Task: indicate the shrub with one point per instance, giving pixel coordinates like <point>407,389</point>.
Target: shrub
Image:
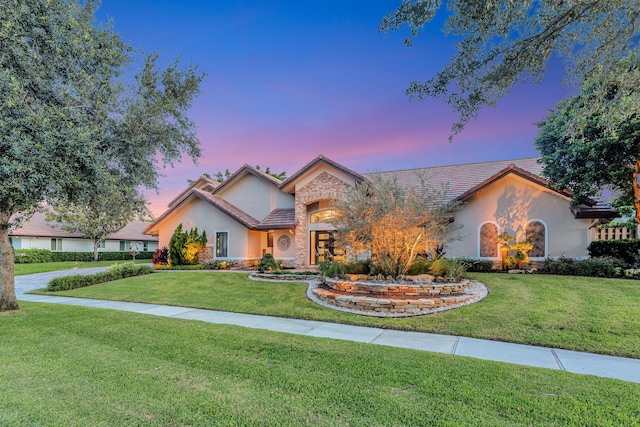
<point>332,268</point>
<point>29,256</point>
<point>184,246</point>
<point>476,265</point>
<point>440,267</point>
<point>421,265</point>
<point>592,267</point>
<point>626,250</point>
<point>115,272</point>
<point>268,263</point>
<point>220,265</point>
<point>160,256</point>
<point>102,256</point>
<point>180,267</point>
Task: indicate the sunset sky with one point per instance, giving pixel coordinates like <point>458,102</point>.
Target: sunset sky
<point>289,80</point>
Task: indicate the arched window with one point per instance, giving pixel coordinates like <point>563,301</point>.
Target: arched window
<point>489,240</point>
<point>536,232</point>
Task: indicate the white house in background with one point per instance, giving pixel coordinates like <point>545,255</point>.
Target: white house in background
<point>38,233</point>
<point>252,213</point>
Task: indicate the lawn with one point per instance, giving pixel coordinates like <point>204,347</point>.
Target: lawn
<point>577,313</point>
<point>76,366</point>
<point>43,267</point>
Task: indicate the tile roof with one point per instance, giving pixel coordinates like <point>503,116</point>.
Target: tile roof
<point>38,226</point>
<point>248,169</point>
<point>203,183</point>
<point>458,179</point>
<point>279,219</point>
<point>320,159</point>
<point>229,209</point>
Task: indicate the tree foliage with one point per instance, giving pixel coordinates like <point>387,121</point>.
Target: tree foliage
<point>393,222</point>
<point>184,246</point>
<point>504,42</point>
<point>108,210</point>
<point>69,119</point>
<point>587,161</point>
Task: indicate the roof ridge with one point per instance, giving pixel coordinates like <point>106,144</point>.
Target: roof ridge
<point>454,165</point>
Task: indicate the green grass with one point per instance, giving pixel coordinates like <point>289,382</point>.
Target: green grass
<point>77,366</point>
<point>44,267</point>
<point>577,313</point>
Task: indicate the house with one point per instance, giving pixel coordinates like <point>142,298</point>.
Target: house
<point>252,213</point>
<point>38,233</point>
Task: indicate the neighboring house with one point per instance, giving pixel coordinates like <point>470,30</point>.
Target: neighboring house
<point>38,233</point>
<point>252,213</point>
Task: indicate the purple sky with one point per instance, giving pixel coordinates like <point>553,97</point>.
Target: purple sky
<point>290,80</point>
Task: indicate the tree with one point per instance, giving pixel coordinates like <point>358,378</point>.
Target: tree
<point>108,210</point>
<point>586,162</point>
<point>393,222</point>
<point>185,245</point>
<point>69,119</point>
<point>501,43</point>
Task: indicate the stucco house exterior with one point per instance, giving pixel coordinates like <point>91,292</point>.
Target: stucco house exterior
<point>252,213</point>
<point>38,233</point>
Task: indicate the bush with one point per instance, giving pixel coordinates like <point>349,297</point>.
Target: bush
<point>332,268</point>
<point>591,267</point>
<point>160,256</point>
<point>29,256</point>
<point>440,267</point>
<point>102,256</point>
<point>115,272</point>
<point>180,267</point>
<point>626,250</point>
<point>421,265</point>
<point>476,265</point>
<point>268,263</point>
<point>220,265</point>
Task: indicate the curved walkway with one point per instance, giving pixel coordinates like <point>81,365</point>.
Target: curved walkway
<point>572,361</point>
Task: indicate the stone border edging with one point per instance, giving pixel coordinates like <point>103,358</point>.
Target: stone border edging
<point>477,289</point>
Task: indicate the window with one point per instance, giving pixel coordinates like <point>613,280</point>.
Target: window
<point>222,244</point>
<point>537,235</point>
<point>489,240</point>
<point>145,246</point>
<point>56,244</point>
<point>270,239</point>
<point>102,245</point>
<point>125,245</point>
<point>15,242</point>
<point>326,215</point>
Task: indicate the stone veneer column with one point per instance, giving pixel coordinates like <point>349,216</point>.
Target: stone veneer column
<point>322,187</point>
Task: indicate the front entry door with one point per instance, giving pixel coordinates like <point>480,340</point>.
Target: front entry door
<point>323,248</point>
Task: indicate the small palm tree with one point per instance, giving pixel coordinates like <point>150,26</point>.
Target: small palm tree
<point>521,256</point>
<point>504,239</point>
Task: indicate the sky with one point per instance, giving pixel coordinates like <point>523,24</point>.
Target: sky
<point>289,80</point>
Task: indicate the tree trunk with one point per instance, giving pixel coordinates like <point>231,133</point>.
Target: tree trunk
<point>636,190</point>
<point>96,243</point>
<point>8,300</point>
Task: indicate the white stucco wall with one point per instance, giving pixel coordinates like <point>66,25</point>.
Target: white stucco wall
<point>74,244</point>
<point>255,196</point>
<point>511,202</point>
<point>198,213</point>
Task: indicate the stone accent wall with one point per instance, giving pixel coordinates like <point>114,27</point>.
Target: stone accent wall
<point>322,187</point>
<point>390,304</point>
<point>205,255</point>
<point>398,289</point>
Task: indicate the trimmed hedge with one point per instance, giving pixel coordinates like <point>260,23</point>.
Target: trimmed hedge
<point>626,250</point>
<point>591,267</point>
<point>102,256</point>
<point>30,256</point>
<point>116,272</point>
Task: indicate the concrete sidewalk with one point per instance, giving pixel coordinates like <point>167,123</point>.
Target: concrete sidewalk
<point>572,361</point>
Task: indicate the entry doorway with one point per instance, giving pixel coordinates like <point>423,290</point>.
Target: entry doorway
<point>323,247</point>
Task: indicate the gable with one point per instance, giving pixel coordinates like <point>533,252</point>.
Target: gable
<point>254,195</point>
